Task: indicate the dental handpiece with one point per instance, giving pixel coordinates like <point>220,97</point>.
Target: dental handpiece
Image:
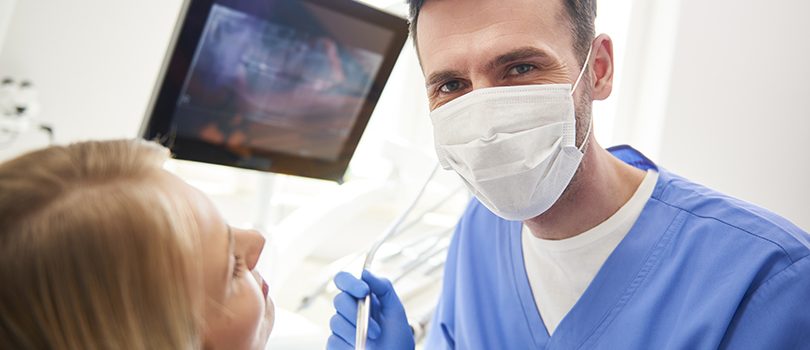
<point>364,306</point>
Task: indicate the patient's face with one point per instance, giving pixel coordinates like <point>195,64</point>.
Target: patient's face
<point>238,312</point>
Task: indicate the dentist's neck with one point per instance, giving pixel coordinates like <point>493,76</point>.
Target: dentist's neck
<point>602,185</point>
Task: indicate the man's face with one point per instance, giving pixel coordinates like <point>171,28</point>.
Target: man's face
<point>471,44</point>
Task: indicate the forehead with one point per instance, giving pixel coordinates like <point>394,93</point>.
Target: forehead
<point>205,212</point>
<point>211,228</point>
<point>457,31</point>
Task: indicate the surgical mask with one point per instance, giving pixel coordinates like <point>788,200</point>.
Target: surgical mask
<point>514,147</point>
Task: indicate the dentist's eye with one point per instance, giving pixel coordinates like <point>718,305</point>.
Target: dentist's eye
<point>451,87</point>
<point>520,69</point>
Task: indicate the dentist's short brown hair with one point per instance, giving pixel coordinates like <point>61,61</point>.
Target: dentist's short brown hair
<point>581,15</point>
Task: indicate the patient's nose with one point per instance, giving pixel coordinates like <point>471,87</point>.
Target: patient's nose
<point>250,243</point>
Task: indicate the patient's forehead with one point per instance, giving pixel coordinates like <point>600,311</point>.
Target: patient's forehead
<point>204,210</point>
<point>212,230</point>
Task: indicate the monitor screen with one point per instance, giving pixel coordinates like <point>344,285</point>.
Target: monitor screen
<point>277,85</point>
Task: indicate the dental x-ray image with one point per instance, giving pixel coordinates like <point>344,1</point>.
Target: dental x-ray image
<point>282,82</point>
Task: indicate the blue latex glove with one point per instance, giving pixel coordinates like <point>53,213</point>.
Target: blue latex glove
<point>388,327</point>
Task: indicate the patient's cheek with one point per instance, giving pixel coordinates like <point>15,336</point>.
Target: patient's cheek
<point>244,322</point>
<point>269,320</point>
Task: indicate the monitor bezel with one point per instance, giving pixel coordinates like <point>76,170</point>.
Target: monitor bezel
<point>188,33</point>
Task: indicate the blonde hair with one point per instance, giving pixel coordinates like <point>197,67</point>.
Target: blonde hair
<point>94,253</point>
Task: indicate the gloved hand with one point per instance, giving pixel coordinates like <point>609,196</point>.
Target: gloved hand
<point>388,327</point>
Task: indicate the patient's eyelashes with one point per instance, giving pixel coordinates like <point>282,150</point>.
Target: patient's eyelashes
<point>238,266</point>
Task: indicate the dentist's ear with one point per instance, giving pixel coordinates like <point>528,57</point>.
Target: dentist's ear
<point>602,67</point>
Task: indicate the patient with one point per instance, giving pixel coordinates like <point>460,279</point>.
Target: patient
<point>100,248</point>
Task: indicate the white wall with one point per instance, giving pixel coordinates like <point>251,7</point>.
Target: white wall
<point>6,8</point>
<point>94,63</point>
<point>738,115</point>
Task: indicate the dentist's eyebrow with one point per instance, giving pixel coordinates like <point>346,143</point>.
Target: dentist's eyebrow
<point>523,53</point>
<point>442,76</point>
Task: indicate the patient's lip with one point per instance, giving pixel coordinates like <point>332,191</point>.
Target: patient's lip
<point>265,288</point>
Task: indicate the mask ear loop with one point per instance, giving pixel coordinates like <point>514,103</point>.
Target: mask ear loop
<point>576,84</point>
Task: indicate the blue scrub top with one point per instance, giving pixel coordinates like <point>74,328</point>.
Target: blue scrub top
<point>698,270</point>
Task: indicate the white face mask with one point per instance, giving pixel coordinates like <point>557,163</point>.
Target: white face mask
<point>514,146</point>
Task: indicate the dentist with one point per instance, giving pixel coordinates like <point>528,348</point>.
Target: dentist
<point>568,245</point>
